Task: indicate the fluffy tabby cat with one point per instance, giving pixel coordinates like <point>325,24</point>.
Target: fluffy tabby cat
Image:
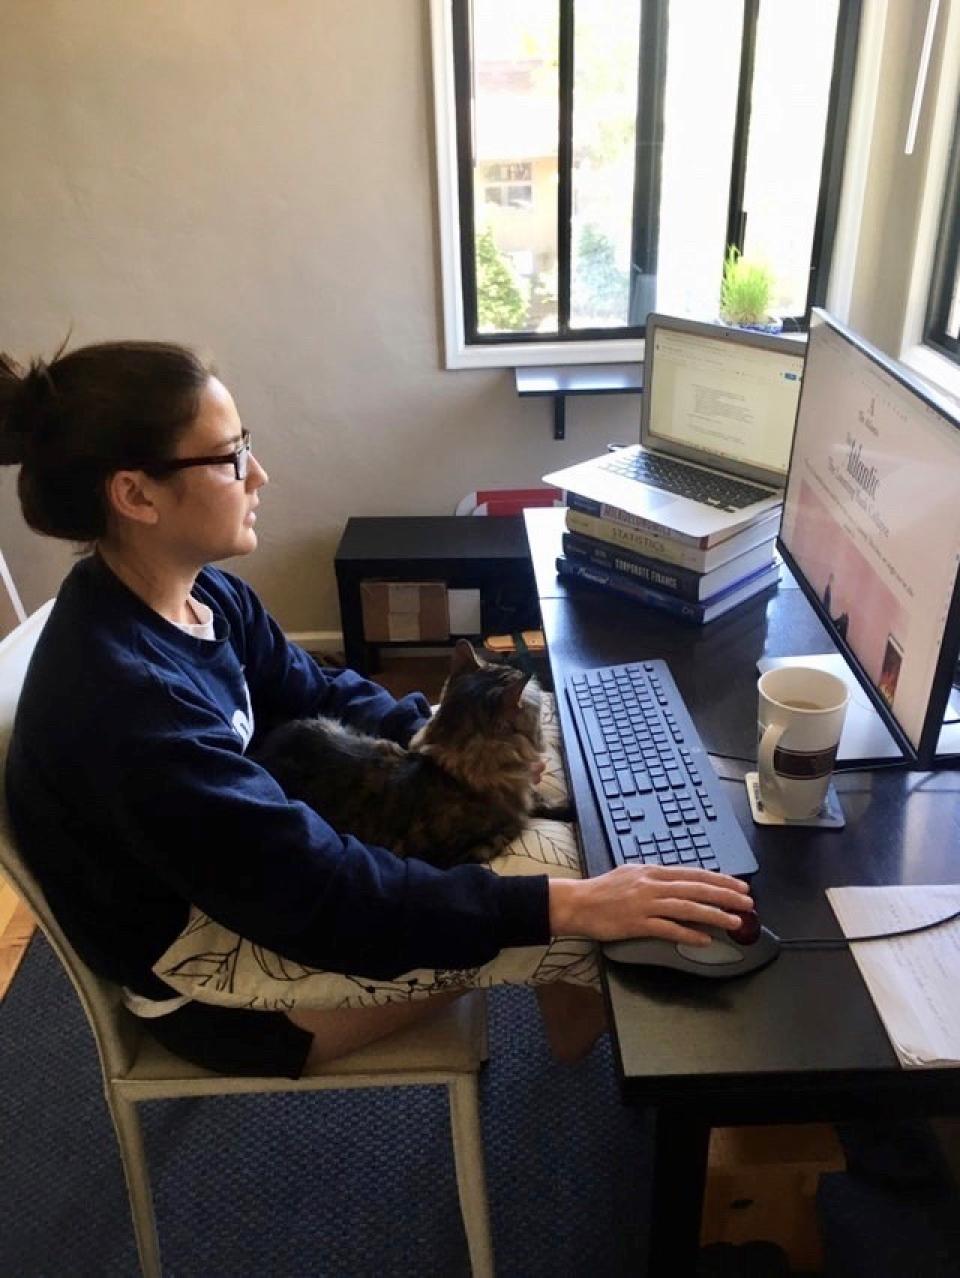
<point>461,790</point>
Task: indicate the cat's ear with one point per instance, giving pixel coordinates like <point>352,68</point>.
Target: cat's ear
<point>512,696</point>
<point>464,659</point>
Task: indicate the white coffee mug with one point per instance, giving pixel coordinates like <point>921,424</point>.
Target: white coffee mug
<point>800,718</point>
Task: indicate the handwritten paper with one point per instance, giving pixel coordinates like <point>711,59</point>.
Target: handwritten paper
<point>914,980</point>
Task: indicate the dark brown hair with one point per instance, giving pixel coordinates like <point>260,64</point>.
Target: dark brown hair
<point>71,423</point>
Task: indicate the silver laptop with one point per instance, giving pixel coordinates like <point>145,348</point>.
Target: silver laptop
<point>716,425</point>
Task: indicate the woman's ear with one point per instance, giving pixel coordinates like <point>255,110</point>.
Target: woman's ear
<point>130,495</point>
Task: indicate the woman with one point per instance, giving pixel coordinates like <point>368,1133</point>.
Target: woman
<point>128,780</point>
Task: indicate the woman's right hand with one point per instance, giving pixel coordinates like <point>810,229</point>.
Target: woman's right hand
<point>673,904</point>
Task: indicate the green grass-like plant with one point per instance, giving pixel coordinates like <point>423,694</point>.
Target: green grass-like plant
<point>746,290</point>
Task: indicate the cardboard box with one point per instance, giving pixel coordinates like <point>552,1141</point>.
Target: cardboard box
<point>404,611</point>
<point>762,1183</point>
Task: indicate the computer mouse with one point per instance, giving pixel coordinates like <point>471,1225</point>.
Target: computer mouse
<point>734,953</point>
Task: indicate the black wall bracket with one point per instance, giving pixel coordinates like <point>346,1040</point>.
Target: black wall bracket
<point>577,379</point>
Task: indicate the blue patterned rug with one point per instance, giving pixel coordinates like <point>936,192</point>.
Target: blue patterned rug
<point>339,1184</point>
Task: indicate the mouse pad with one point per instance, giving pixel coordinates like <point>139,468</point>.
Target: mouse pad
<point>830,816</point>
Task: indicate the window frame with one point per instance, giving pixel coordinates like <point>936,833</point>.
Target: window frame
<point>943,92</point>
<point>465,347</point>
<point>946,263</point>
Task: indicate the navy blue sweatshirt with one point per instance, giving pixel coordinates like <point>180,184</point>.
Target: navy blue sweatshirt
<point>132,798</point>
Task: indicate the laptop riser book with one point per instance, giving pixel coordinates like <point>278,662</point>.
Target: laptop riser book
<point>697,587</point>
<point>720,403</point>
<point>698,613</point>
<point>616,515</point>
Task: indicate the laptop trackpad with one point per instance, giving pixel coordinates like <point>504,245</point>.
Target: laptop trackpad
<point>656,499</point>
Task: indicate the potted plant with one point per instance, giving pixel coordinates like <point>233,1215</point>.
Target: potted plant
<point>745,294</point>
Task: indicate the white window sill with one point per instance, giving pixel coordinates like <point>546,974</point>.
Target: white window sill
<point>942,373</point>
<point>537,354</point>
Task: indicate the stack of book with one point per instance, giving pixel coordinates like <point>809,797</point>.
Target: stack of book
<point>694,578</point>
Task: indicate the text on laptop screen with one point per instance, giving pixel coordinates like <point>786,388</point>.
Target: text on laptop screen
<point>871,517</point>
<point>729,399</point>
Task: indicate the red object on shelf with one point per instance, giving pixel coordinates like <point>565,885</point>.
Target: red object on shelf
<point>507,501</point>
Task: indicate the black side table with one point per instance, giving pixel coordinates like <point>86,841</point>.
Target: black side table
<point>488,553</point>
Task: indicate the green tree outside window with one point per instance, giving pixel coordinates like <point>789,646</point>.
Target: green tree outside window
<point>500,303</point>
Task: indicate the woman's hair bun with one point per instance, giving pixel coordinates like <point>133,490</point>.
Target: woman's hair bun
<point>73,420</point>
<point>24,397</point>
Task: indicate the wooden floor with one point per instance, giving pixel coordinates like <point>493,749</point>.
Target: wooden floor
<point>400,675</point>
<point>16,928</point>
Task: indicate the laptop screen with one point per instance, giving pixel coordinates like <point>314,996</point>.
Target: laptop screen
<point>729,400</point>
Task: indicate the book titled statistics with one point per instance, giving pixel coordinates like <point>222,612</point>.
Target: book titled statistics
<point>699,613</point>
<point>603,510</point>
<point>698,587</point>
<point>667,548</point>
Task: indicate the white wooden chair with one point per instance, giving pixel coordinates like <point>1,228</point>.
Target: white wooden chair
<point>447,1049</point>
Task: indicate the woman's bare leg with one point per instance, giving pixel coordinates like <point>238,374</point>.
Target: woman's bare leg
<point>573,1019</point>
<point>336,1033</point>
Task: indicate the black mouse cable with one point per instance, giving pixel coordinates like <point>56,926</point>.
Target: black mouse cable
<point>841,942</point>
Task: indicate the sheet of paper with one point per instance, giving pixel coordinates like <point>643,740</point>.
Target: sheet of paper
<point>913,980</point>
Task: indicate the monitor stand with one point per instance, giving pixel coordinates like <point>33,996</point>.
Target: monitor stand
<point>865,738</point>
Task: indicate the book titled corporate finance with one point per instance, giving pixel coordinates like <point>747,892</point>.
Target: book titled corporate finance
<point>698,587</point>
<point>699,613</point>
<point>668,549</point>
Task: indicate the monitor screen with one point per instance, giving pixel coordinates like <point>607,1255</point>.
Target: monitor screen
<point>732,399</point>
<point>871,518</point>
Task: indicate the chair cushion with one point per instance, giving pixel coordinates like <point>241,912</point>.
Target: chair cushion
<point>451,1040</point>
<point>552,790</point>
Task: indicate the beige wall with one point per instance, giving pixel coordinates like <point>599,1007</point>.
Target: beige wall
<point>257,178</point>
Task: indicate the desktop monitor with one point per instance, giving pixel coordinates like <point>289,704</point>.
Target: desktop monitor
<point>871,531</point>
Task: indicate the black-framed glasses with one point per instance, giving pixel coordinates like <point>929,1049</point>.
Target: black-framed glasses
<point>239,460</point>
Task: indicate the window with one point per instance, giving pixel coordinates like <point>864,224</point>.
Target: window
<point>508,185</point>
<point>942,330</point>
<point>618,147</point>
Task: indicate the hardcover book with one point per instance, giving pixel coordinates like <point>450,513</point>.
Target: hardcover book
<point>603,510</point>
<point>699,613</point>
<point>666,548</point>
<point>698,587</point>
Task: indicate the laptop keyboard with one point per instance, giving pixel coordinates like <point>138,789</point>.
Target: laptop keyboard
<point>655,787</point>
<point>718,491</point>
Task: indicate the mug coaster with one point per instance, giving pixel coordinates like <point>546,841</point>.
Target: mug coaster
<point>830,816</point>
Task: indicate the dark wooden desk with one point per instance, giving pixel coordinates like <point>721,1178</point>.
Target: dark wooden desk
<point>799,1041</point>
